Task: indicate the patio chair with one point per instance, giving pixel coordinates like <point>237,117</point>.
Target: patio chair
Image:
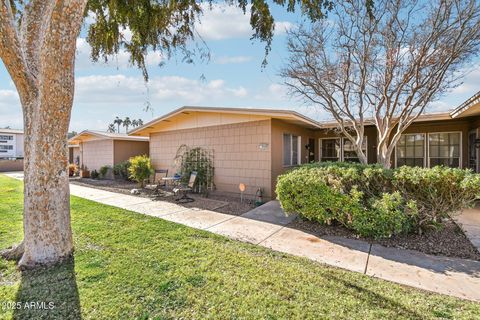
<point>184,189</point>
<point>158,183</point>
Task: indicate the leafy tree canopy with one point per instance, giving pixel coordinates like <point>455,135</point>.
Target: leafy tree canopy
<point>168,26</point>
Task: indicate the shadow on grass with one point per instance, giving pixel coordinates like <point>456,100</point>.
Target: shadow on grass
<point>372,298</point>
<point>48,293</point>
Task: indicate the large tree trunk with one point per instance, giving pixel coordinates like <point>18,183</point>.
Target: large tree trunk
<point>48,235</point>
<point>40,58</point>
<point>384,156</point>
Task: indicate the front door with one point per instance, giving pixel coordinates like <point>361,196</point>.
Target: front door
<point>311,150</point>
<point>472,151</point>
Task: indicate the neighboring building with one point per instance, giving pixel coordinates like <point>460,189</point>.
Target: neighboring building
<point>94,149</point>
<point>11,144</point>
<point>11,150</point>
<point>254,146</point>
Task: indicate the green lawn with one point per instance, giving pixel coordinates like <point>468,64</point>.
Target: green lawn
<point>130,266</point>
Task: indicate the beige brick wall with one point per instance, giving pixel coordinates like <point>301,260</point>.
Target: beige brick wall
<point>96,154</point>
<point>237,156</point>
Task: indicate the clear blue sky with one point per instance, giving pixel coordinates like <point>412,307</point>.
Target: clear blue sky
<point>232,78</point>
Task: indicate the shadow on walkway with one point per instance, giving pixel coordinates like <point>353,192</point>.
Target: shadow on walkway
<point>438,264</point>
<point>48,293</point>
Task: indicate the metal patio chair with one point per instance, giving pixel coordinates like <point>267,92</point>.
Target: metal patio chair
<point>184,189</point>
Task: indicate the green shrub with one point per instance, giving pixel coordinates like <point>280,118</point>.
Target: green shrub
<point>94,174</point>
<point>386,216</point>
<point>140,169</point>
<point>315,195</point>
<point>374,201</point>
<point>120,170</point>
<point>103,171</point>
<point>438,192</point>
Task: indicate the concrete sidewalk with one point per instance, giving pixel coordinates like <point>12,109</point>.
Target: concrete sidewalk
<point>266,226</point>
<point>469,221</point>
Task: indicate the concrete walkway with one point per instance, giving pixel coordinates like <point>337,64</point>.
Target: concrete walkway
<point>266,226</point>
<point>469,221</point>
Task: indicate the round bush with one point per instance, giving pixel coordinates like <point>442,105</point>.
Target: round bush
<point>140,169</point>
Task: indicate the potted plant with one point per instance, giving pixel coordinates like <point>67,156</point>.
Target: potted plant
<point>84,173</point>
<point>72,170</point>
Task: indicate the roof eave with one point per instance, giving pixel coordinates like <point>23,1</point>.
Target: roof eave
<point>266,112</point>
<point>473,100</point>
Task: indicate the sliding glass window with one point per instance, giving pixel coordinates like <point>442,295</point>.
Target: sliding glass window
<point>410,150</point>
<point>349,153</point>
<point>291,150</point>
<point>444,149</point>
<point>330,149</point>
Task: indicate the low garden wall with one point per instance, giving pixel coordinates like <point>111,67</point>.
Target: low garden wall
<point>11,165</point>
<point>377,202</point>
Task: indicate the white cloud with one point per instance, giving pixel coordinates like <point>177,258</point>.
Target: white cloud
<point>233,59</point>
<point>222,21</point>
<point>99,98</point>
<point>114,90</point>
<point>277,89</point>
<point>120,60</point>
<point>471,81</point>
<point>467,88</point>
<point>10,109</point>
<point>283,26</point>
<point>275,92</point>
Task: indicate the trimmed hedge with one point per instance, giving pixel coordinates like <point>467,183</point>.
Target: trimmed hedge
<point>374,201</point>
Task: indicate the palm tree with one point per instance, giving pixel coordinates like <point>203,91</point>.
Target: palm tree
<point>134,123</point>
<point>111,128</point>
<point>118,122</point>
<point>126,123</point>
<point>140,122</point>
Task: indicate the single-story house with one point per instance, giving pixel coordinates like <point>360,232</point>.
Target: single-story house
<point>94,149</point>
<point>254,146</point>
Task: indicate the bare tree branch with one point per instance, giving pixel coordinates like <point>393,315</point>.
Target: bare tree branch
<point>388,66</point>
<point>11,52</point>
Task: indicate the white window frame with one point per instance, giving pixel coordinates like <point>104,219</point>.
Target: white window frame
<point>341,158</point>
<point>321,145</point>
<point>299,150</point>
<point>425,147</point>
<point>460,160</point>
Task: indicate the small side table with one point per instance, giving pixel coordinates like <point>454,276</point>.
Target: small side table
<point>172,181</point>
